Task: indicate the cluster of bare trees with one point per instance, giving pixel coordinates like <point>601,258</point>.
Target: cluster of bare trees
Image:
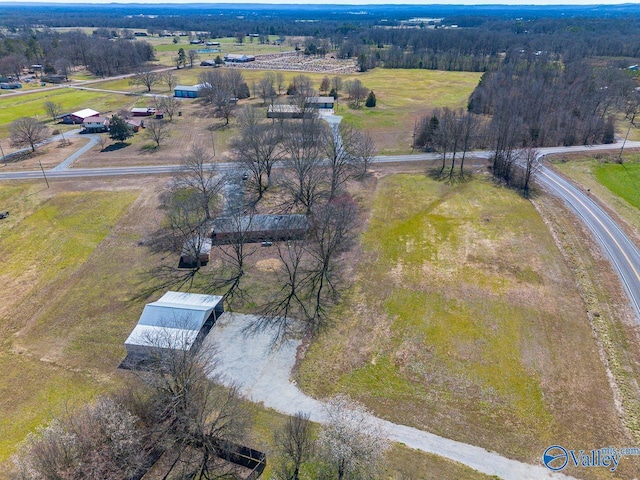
<point>315,161</point>
<point>221,89</point>
<point>349,446</point>
<point>58,52</point>
<point>173,408</point>
<point>453,133</point>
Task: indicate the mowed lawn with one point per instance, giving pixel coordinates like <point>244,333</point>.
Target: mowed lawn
<point>465,321</point>
<point>68,274</point>
<point>32,104</point>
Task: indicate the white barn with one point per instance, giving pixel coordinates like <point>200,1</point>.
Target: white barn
<point>174,322</point>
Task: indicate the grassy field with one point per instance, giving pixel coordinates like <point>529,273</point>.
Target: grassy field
<point>31,105</point>
<point>67,280</point>
<point>74,265</point>
<point>462,321</point>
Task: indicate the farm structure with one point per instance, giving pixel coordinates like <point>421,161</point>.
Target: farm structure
<point>237,58</point>
<point>96,124</point>
<point>287,112</point>
<point>259,228</point>
<point>143,111</point>
<point>320,102</point>
<point>194,249</point>
<point>187,91</point>
<point>79,117</point>
<point>177,321</point>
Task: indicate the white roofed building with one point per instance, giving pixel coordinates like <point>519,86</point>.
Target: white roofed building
<point>176,321</point>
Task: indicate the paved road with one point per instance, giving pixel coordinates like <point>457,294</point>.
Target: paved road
<point>622,252</point>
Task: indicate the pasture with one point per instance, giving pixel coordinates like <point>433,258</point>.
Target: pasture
<point>462,320</point>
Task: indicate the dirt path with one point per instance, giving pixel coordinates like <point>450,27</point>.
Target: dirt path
<point>263,376</point>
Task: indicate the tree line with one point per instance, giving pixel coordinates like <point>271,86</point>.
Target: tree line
<point>59,52</point>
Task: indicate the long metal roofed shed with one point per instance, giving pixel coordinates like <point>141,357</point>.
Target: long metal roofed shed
<point>177,321</point>
<point>187,91</point>
<point>259,228</point>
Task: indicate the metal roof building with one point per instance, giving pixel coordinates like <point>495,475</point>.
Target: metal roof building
<point>174,322</point>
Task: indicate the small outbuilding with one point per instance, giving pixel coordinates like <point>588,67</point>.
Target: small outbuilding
<point>286,112</point>
<point>194,249</point>
<point>187,91</point>
<point>177,321</point>
<point>320,102</point>
<point>143,111</point>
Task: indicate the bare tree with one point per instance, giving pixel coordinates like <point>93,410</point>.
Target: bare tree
<point>337,142</point>
<point>197,173</point>
<point>287,311</point>
<point>325,85</point>
<point>145,77</point>
<point>199,418</point>
<point>304,178</point>
<point>53,109</point>
<point>158,131</point>
<point>103,142</point>
<point>169,105</point>
<point>279,82</point>
<point>527,160</point>
<point>193,56</point>
<point>295,444</point>
<point>363,150</point>
<point>256,148</point>
<point>27,131</point>
<point>331,234</point>
<point>265,87</point>
<point>170,79</point>
<point>357,92</point>
<point>336,85</point>
<point>351,443</point>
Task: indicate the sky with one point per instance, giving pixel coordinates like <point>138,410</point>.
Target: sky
<point>350,2</point>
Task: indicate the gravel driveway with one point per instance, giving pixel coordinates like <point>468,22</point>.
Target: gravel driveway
<point>263,375</point>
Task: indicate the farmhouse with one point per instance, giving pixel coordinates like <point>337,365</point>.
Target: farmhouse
<point>80,116</point>
<point>187,91</point>
<point>177,321</point>
<point>96,124</point>
<point>259,228</point>
<point>142,111</point>
<point>320,102</point>
<point>237,58</point>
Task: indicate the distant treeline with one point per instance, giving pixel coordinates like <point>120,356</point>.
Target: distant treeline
<point>59,52</point>
<point>432,37</point>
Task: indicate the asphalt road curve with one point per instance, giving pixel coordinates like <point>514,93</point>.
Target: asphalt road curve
<point>624,255</point>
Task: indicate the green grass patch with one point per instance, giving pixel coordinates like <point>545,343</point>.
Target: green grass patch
<point>66,307</point>
<point>71,99</point>
<point>457,324</point>
<point>622,179</point>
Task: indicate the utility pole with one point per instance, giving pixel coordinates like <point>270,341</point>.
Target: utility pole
<point>44,174</point>
<point>4,159</point>
<point>213,143</point>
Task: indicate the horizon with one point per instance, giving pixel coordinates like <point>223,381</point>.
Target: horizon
<point>358,3</point>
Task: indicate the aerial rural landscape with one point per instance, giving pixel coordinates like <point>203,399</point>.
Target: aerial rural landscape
<point>300,242</point>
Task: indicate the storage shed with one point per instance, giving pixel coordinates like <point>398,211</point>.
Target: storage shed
<point>187,91</point>
<point>177,321</point>
<point>259,228</point>
<point>320,102</point>
<point>80,116</point>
